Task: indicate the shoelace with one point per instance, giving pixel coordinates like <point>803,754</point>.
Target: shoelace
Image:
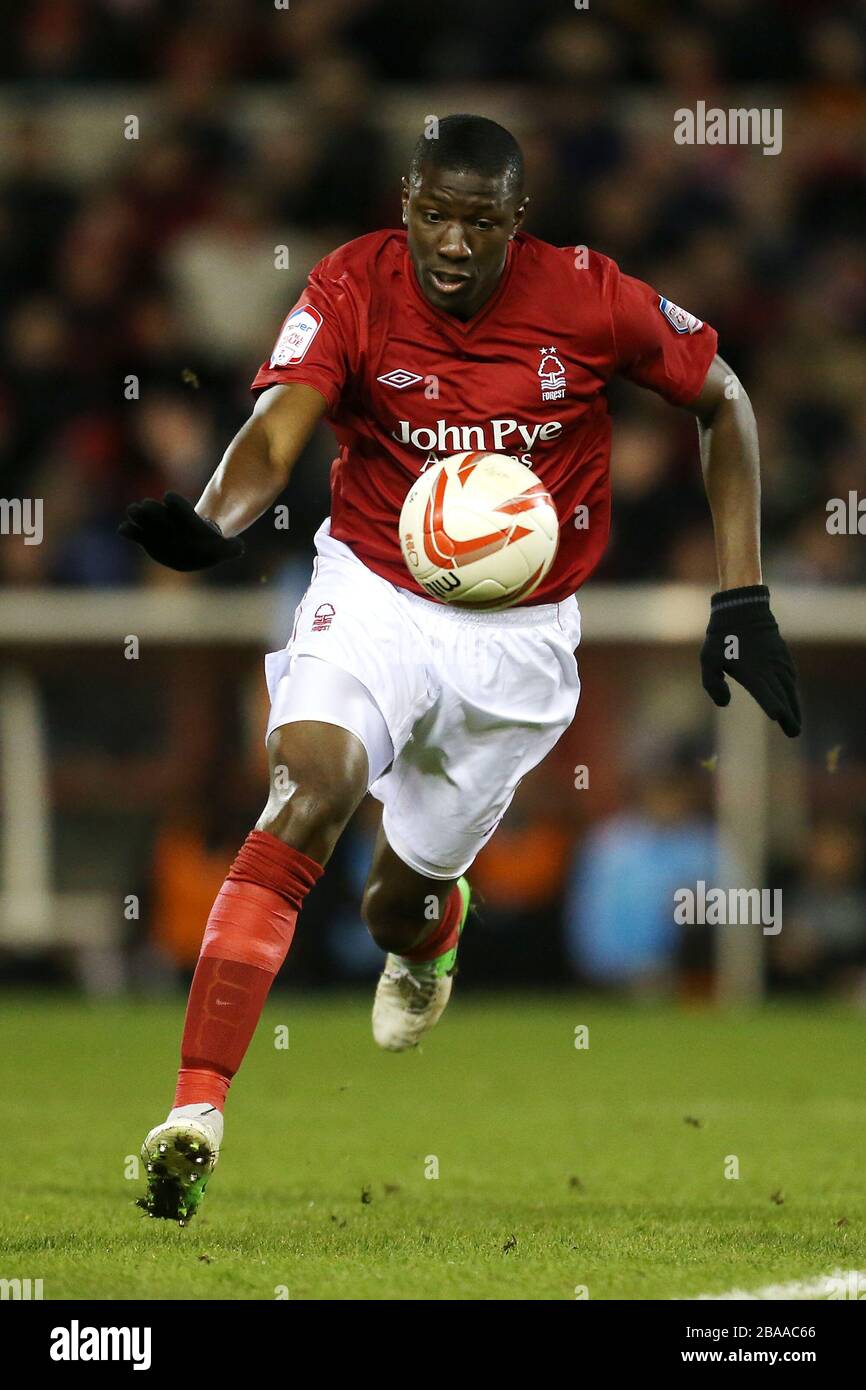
<point>424,987</point>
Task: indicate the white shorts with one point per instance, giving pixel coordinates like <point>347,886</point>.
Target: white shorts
<point>454,707</point>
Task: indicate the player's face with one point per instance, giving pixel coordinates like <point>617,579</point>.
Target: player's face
<point>459,226</point>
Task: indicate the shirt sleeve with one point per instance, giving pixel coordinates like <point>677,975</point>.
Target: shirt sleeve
<point>313,345</point>
<point>656,343</point>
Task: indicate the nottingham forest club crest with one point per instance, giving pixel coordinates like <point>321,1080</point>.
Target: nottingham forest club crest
<point>551,375</point>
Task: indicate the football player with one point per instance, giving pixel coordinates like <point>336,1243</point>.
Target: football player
<point>459,331</point>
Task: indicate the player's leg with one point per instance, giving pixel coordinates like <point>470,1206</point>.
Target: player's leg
<point>417,920</point>
<point>506,690</point>
<point>402,908</point>
<point>352,675</point>
<point>318,776</point>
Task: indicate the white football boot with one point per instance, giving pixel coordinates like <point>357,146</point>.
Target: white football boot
<point>179,1156</point>
<point>410,998</point>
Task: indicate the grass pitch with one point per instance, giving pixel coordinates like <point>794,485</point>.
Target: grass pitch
<point>558,1167</point>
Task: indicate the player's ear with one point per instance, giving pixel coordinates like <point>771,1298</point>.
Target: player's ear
<point>519,214</point>
<point>404,197</point>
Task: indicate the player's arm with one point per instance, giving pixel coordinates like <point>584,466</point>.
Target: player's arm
<point>661,346</point>
<point>258,463</point>
<point>732,477</point>
<point>743,638</point>
<point>253,472</point>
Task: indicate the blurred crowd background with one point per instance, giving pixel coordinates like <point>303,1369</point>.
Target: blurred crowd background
<point>153,258</point>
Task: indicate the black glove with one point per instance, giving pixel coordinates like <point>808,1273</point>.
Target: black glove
<point>759,659</point>
<point>173,533</point>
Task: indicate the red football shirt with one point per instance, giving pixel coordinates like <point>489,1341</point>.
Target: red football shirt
<point>408,384</point>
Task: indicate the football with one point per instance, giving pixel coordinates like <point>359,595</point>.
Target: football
<point>479,531</point>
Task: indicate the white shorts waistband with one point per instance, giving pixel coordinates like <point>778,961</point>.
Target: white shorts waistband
<point>533,615</point>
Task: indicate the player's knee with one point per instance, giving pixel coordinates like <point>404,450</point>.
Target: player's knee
<point>310,810</point>
<point>383,919</point>
<point>310,803</point>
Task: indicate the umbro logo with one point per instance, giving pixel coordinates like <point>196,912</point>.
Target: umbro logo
<point>400,379</point>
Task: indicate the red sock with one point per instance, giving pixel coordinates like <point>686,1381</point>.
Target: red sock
<point>248,935</point>
<point>444,936</point>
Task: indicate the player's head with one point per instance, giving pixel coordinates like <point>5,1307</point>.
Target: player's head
<point>463,201</point>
